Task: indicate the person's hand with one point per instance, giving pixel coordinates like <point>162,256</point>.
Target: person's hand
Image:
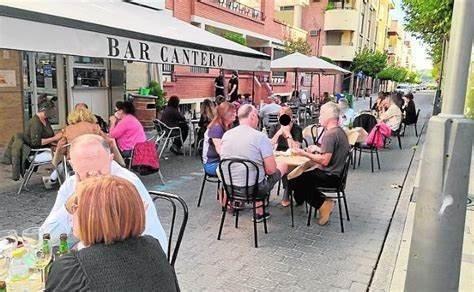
<point>299,151</point>
<point>58,135</point>
<point>286,131</point>
<point>313,148</point>
<point>113,119</point>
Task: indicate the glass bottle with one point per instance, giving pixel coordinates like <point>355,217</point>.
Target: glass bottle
<point>3,286</point>
<point>63,245</point>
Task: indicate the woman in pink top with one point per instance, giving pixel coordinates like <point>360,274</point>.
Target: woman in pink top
<point>125,127</point>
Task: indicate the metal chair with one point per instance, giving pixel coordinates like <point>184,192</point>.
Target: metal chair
<point>173,200</point>
<point>167,133</point>
<point>339,191</point>
<point>250,193</point>
<point>159,169</point>
<point>207,178</point>
<point>272,120</point>
<point>365,148</point>
<point>412,124</point>
<point>396,133</point>
<point>33,165</point>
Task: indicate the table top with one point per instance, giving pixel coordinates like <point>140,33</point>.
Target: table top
<point>293,160</point>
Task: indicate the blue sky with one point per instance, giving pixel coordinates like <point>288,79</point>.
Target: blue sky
<point>420,56</point>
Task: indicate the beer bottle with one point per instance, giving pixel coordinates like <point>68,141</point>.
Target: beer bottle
<point>3,286</point>
<point>46,244</point>
<point>63,246</point>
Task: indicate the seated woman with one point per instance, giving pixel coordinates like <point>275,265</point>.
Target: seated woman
<point>125,128</point>
<point>391,114</point>
<point>225,116</point>
<point>81,121</point>
<point>409,109</point>
<point>378,105</point>
<point>284,136</point>
<point>108,219</point>
<point>207,114</point>
<point>173,118</point>
<point>329,163</point>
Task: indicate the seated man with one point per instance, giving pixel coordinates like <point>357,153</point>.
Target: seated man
<point>329,159</point>
<point>173,118</point>
<point>392,116</point>
<point>90,156</point>
<point>273,107</point>
<point>246,142</point>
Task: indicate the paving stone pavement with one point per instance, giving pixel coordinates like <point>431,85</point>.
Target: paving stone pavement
<point>302,258</point>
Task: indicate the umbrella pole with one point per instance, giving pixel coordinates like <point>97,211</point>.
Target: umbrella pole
<point>319,85</point>
<point>311,89</point>
<point>253,87</point>
<point>334,86</point>
<point>296,82</point>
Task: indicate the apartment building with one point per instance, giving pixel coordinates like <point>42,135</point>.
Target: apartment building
<point>407,55</point>
<point>396,43</point>
<point>383,24</point>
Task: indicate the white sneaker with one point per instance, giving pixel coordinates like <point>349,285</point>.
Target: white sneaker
<point>48,182</point>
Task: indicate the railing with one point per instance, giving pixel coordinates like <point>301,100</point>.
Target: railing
<point>339,5</point>
<point>238,7</point>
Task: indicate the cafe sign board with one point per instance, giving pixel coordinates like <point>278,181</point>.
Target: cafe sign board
<point>33,31</point>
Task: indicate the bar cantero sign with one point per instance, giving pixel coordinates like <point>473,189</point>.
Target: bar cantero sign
<point>142,51</point>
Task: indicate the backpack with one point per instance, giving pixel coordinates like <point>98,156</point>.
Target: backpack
<point>145,159</point>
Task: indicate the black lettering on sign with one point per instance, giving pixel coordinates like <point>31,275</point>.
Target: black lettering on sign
<point>220,61</point>
<point>186,57</point>
<point>129,51</point>
<point>175,59</point>
<point>144,55</point>
<point>113,47</point>
<point>212,61</point>
<point>203,58</point>
<point>195,53</point>
<point>163,54</point>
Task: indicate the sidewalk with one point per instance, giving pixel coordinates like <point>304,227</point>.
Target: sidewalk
<point>467,264</point>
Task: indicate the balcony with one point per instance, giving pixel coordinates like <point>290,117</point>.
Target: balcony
<point>238,8</point>
<point>341,19</point>
<point>342,52</point>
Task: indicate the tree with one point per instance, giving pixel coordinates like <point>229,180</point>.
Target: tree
<point>299,45</point>
<point>430,21</point>
<point>369,62</point>
<point>412,77</point>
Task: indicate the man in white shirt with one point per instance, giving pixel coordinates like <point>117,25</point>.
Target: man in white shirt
<point>270,108</point>
<point>90,156</point>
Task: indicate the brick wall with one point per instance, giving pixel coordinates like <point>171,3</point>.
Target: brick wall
<point>11,101</point>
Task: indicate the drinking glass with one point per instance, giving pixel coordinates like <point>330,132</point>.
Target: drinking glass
<point>8,242</point>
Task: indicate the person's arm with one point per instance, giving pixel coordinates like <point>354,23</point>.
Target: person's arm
<point>66,274</point>
<point>269,162</point>
<point>217,144</point>
<point>234,86</point>
<point>321,159</point>
<point>215,133</point>
<point>117,129</point>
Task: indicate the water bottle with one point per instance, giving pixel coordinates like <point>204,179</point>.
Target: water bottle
<point>19,272</point>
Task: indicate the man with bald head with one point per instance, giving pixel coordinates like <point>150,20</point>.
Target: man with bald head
<point>245,142</point>
<point>90,156</point>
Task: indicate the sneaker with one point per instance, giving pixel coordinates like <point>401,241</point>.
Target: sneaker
<point>261,216</point>
<point>48,182</point>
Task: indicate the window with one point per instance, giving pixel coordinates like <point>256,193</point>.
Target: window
<point>287,8</point>
<point>167,69</point>
<point>278,77</point>
<point>195,69</point>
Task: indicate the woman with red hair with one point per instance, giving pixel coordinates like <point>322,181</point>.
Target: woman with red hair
<point>108,219</point>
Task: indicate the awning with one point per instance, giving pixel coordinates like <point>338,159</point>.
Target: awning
<point>119,30</point>
<point>298,62</point>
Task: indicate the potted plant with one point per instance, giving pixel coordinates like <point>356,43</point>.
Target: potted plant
<point>160,101</point>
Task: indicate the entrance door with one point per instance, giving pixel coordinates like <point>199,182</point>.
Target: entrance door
<point>43,76</point>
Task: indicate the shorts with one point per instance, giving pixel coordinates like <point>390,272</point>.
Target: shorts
<point>211,168</point>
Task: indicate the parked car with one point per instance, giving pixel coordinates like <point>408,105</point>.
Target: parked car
<point>403,88</point>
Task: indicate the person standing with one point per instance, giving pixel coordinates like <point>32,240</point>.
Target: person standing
<point>219,84</point>
<point>234,86</point>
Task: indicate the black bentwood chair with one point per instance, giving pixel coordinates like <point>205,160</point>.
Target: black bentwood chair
<point>365,148</point>
<point>173,200</point>
<point>339,191</point>
<point>415,124</point>
<point>208,178</point>
<point>246,194</point>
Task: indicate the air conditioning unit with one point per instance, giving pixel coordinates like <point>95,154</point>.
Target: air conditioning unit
<point>314,33</point>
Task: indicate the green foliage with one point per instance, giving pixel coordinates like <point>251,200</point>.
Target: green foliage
<point>330,5</point>
<point>156,90</point>
<point>235,37</point>
<point>369,62</point>
<point>394,73</point>
<point>413,77</point>
<point>300,45</point>
<point>469,108</point>
<point>430,21</point>
<point>329,60</point>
